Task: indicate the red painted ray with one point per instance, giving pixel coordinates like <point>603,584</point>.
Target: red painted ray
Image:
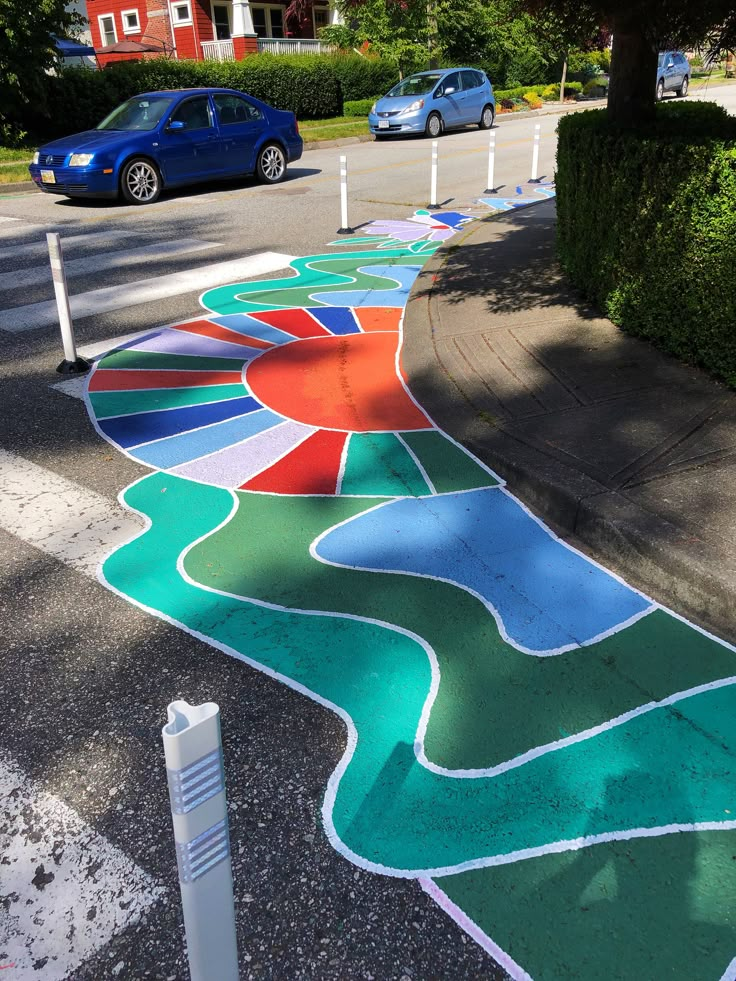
<point>121,380</point>
<point>378,318</point>
<point>296,322</point>
<point>311,468</point>
<point>346,382</point>
<point>206,328</point>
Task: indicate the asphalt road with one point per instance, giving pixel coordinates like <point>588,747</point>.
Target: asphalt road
<point>86,677</point>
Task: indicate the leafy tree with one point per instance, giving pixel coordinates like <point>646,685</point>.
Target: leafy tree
<point>640,29</point>
<point>27,53</point>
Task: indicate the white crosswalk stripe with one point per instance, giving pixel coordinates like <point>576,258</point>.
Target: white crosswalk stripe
<point>111,298</point>
<point>67,890</point>
<point>39,248</point>
<point>41,272</point>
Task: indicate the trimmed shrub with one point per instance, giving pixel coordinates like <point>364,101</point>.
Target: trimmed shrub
<point>361,77</point>
<point>532,100</point>
<point>647,226</point>
<point>78,98</point>
<point>596,87</point>
<point>553,91</point>
<point>359,108</point>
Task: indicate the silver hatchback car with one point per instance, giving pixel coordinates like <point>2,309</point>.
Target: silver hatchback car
<point>430,102</point>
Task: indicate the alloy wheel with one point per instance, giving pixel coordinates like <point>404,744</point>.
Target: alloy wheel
<point>272,164</point>
<point>142,181</point>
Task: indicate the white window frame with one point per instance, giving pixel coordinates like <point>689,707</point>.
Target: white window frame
<point>268,7</point>
<point>126,28</point>
<point>103,32</point>
<point>322,8</point>
<point>229,7</point>
<point>177,5</point>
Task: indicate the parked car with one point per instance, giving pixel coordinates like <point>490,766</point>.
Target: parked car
<point>169,139</point>
<point>430,102</point>
<point>673,73</point>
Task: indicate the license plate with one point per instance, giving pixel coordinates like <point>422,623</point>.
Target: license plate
<point>383,123</point>
<point>48,177</point>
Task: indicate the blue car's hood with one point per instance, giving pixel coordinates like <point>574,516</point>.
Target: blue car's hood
<point>91,141</point>
<point>396,103</point>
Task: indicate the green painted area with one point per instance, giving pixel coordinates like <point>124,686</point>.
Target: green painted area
<point>155,361</point>
<point>314,274</point>
<point>106,404</point>
<point>378,464</point>
<point>448,466</point>
<point>389,809</point>
<point>639,910</point>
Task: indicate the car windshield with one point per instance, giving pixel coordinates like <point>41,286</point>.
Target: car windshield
<point>137,114</point>
<point>415,85</point>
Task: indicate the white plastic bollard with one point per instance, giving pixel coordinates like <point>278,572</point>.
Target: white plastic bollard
<point>535,155</point>
<point>195,770</point>
<point>72,363</point>
<point>490,186</point>
<point>433,186</point>
<point>344,228</point>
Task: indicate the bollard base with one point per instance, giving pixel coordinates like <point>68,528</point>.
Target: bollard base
<point>490,190</point>
<point>345,231</point>
<point>434,207</point>
<point>78,367</point>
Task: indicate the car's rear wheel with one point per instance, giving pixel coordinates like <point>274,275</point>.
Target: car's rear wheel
<point>660,90</point>
<point>271,165</point>
<point>140,181</point>
<point>682,91</point>
<point>486,118</point>
<point>433,126</point>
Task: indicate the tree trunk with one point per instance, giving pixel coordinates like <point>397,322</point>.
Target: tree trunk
<point>432,34</point>
<point>564,79</point>
<point>631,94</point>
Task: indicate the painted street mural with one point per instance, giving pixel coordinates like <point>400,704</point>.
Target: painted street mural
<point>548,751</point>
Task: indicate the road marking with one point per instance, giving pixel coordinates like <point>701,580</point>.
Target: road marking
<point>40,248</point>
<point>111,298</point>
<point>40,275</point>
<point>53,514</point>
<point>67,889</point>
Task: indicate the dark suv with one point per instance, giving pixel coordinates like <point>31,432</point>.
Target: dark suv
<point>673,73</point>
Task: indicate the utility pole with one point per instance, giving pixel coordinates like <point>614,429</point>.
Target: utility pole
<point>432,34</point>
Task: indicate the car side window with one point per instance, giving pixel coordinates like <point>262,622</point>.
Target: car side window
<point>194,113</point>
<point>470,80</point>
<point>452,82</point>
<point>231,109</point>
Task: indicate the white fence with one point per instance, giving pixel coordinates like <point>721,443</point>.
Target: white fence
<point>218,50</point>
<point>295,45</point>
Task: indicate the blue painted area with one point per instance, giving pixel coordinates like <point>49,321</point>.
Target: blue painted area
<point>547,596</point>
<point>338,320</point>
<point>396,297</point>
<point>452,218</point>
<point>244,324</point>
<point>189,446</point>
<point>144,427</point>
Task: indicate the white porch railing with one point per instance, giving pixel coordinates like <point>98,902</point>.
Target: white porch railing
<point>292,45</point>
<point>218,50</point>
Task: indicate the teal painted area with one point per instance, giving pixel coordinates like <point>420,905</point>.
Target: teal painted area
<point>660,768</point>
<point>448,466</point>
<point>107,404</point>
<point>378,464</point>
<point>314,274</point>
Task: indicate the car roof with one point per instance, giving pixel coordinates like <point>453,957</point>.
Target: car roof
<point>192,91</point>
<point>446,71</point>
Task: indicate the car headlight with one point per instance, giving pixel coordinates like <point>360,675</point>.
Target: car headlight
<point>80,159</point>
<point>35,157</point>
<point>414,107</point>
<point>373,107</point>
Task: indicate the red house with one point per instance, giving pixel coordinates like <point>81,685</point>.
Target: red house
<point>208,30</point>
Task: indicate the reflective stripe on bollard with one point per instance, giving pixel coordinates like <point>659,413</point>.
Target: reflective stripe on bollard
<point>196,776</point>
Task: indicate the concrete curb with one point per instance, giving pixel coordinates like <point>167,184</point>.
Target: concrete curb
<point>658,557</point>
<point>19,187</point>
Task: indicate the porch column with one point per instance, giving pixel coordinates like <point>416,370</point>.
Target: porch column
<point>245,41</point>
<point>335,16</point>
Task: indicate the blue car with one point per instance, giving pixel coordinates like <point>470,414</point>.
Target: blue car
<point>168,139</point>
<point>433,101</point>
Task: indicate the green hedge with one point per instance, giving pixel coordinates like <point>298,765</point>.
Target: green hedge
<point>647,226</point>
<point>546,92</point>
<point>360,107</point>
<point>362,78</point>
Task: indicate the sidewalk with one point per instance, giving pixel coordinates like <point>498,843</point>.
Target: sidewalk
<point>615,443</point>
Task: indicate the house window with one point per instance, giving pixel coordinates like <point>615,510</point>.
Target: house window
<point>131,22</point>
<point>268,21</point>
<point>221,20</point>
<point>107,29</point>
<point>181,13</point>
<point>321,18</point>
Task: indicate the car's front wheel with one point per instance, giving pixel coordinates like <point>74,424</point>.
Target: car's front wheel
<point>140,181</point>
<point>271,165</point>
<point>433,127</point>
<point>486,118</point>
<point>682,91</point>
<point>660,90</point>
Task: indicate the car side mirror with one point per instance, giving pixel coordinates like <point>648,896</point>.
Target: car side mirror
<point>450,90</point>
<point>175,125</point>
<point>671,64</point>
